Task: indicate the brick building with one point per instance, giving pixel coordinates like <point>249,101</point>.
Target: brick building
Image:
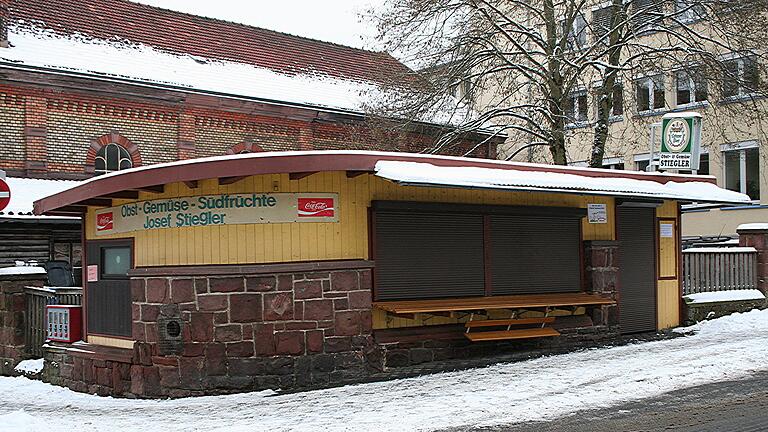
<point>85,91</point>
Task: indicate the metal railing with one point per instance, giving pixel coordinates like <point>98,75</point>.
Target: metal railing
<point>37,299</point>
<point>719,269</point>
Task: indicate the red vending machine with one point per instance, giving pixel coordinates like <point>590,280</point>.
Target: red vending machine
<point>65,323</point>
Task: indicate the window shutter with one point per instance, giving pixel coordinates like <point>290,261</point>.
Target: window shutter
<point>646,12</point>
<point>428,255</point>
<point>534,255</point>
<point>601,21</point>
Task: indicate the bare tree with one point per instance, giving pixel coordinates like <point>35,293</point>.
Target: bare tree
<point>525,59</point>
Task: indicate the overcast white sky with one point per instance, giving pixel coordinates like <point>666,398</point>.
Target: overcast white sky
<point>328,20</point>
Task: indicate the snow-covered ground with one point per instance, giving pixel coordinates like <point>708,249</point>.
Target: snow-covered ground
<point>726,348</point>
<point>33,366</point>
<point>720,296</point>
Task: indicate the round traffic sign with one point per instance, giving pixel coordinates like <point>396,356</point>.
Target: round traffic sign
<point>5,194</point>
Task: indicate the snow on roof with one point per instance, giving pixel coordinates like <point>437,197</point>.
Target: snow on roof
<point>21,270</point>
<point>25,191</point>
<point>720,296</point>
<point>418,173</point>
<point>117,59</point>
<point>652,176</point>
<point>752,226</point>
<point>720,249</point>
<point>185,33</point>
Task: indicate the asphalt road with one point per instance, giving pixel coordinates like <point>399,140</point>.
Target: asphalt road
<point>729,406</point>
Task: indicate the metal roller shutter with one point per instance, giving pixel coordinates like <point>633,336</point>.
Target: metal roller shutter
<point>428,255</point>
<point>535,255</point>
<point>637,266</point>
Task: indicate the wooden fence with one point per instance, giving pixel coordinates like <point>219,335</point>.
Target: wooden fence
<point>37,299</point>
<point>719,269</point>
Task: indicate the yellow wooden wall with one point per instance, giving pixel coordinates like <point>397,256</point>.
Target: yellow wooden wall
<point>668,293</point>
<point>347,239</point>
<point>290,242</point>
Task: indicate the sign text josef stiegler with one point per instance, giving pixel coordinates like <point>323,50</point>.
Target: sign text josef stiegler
<point>222,209</point>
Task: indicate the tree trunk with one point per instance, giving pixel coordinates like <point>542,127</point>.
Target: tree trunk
<point>557,92</point>
<point>605,91</point>
<point>557,144</point>
<point>604,108</point>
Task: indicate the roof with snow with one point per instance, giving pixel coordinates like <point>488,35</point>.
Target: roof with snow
<point>25,191</point>
<point>187,34</point>
<point>119,40</point>
<point>402,168</point>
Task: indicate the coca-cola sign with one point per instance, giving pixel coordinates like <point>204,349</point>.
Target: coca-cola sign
<point>316,207</point>
<point>105,221</point>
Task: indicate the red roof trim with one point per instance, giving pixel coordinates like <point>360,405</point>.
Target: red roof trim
<point>300,162</point>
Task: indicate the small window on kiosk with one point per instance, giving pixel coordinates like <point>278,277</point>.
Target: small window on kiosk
<point>115,261</point>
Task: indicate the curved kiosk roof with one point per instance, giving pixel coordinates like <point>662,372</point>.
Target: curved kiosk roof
<point>402,168</point>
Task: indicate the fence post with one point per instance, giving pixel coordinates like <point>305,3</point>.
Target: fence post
<point>756,236</point>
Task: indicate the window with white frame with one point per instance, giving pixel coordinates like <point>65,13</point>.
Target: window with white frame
<point>740,76</point>
<point>112,157</point>
<point>741,165</point>
<point>703,166</point>
<point>689,10</point>
<point>577,33</point>
<point>576,107</point>
<point>614,163</point>
<point>649,93</point>
<point>691,86</point>
<point>618,102</point>
<point>461,90</point>
<point>643,161</point>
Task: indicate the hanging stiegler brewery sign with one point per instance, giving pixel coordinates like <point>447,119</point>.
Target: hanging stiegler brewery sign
<point>680,141</point>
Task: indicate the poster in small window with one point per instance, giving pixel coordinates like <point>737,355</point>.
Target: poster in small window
<point>666,230</point>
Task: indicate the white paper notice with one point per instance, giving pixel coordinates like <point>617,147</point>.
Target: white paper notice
<point>93,273</point>
<point>597,213</point>
<point>666,230</point>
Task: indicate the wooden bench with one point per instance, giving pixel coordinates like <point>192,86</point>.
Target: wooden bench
<point>473,305</point>
<point>512,334</point>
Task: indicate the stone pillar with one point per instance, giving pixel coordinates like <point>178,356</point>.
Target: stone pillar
<point>756,236</point>
<point>12,318</point>
<point>602,275</point>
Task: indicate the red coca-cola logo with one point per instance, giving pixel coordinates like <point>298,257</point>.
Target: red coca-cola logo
<point>316,207</point>
<point>104,222</point>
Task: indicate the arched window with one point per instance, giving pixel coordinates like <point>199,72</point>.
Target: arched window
<point>112,157</point>
<point>111,152</point>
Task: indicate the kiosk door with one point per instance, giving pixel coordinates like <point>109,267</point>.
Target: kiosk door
<point>637,269</point>
<point>108,289</point>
